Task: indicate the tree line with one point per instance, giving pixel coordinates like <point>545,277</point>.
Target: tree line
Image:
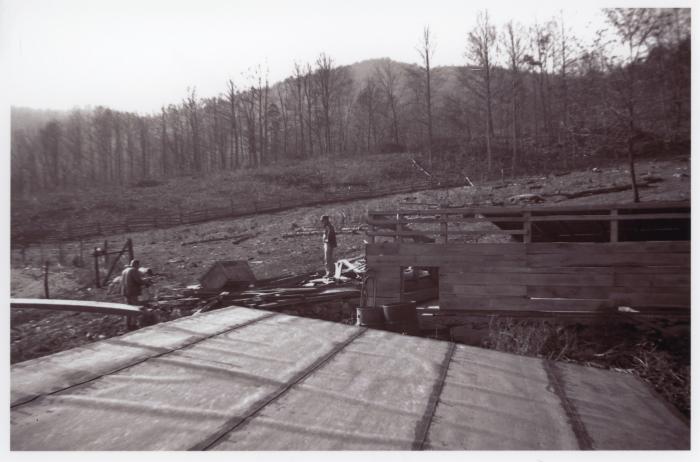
<point>526,98</point>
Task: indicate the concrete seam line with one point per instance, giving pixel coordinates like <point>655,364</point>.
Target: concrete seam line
<point>158,355</point>
<point>238,421</point>
<point>423,425</point>
<point>577,426</point>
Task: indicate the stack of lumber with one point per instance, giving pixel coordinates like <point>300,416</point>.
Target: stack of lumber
<point>282,297</point>
<point>288,290</point>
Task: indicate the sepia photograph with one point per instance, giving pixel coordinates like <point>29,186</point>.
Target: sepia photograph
<point>397,227</point>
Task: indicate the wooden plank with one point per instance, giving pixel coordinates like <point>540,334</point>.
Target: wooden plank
<point>400,260</point>
<point>680,205</point>
<point>444,218</point>
<point>570,259</point>
<point>521,303</point>
<point>446,260</point>
<point>498,270</point>
<point>471,261</point>
<point>651,270</point>
<point>652,299</point>
<point>401,233</point>
<point>473,290</point>
<point>553,278</point>
<point>462,249</point>
<point>680,279</point>
<point>575,292</point>
<point>639,216</point>
<point>382,248</point>
<point>614,226</point>
<point>76,305</point>
<point>495,232</point>
<point>607,247</point>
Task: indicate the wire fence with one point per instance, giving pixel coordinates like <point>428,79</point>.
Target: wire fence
<point>74,241</point>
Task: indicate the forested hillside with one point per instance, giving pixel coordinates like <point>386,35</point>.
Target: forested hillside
<point>526,99</point>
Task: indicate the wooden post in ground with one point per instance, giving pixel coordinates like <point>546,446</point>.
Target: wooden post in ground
<point>130,249</point>
<point>443,227</point>
<point>60,252</point>
<point>614,228</point>
<point>96,257</point>
<point>82,262</point>
<point>398,227</point>
<point>527,227</point>
<point>46,279</point>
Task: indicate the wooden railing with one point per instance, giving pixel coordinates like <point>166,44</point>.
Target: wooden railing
<point>438,225</point>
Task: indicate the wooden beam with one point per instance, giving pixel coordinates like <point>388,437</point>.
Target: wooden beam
<point>83,306</point>
<point>614,228</point>
<point>500,210</point>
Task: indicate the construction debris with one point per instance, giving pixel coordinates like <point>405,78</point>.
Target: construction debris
<point>234,273</point>
<point>420,168</point>
<point>319,231</point>
<point>525,198</point>
<point>235,239</point>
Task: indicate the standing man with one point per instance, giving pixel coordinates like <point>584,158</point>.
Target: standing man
<point>132,282</point>
<point>329,244</point>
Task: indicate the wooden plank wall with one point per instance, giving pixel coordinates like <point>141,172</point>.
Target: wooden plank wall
<point>542,276</point>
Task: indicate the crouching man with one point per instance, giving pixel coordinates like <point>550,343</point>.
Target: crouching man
<point>131,284</point>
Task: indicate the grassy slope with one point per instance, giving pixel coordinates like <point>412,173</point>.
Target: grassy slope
<point>306,179</point>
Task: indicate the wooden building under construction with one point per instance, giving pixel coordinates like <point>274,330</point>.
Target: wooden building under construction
<point>553,259</point>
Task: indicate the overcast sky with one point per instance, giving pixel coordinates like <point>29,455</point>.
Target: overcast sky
<point>137,55</point>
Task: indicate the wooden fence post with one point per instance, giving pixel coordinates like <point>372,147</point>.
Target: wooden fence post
<point>527,227</point>
<point>614,226</point>
<point>96,257</point>
<point>130,248</point>
<point>60,252</point>
<point>105,249</point>
<point>399,228</point>
<point>46,279</point>
<point>443,227</point>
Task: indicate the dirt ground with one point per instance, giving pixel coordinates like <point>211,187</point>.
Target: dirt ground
<point>177,263</point>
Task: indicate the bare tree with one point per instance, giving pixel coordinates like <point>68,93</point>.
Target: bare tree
<point>388,79</point>
<point>310,96</point>
<point>51,141</point>
<point>76,143</point>
<point>515,51</point>
<point>636,27</point>
<point>285,120</point>
<point>367,98</point>
<point>191,108</point>
<point>234,154</point>
<point>325,77</point>
<point>426,50</point>
<point>299,87</point>
<point>482,44</point>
